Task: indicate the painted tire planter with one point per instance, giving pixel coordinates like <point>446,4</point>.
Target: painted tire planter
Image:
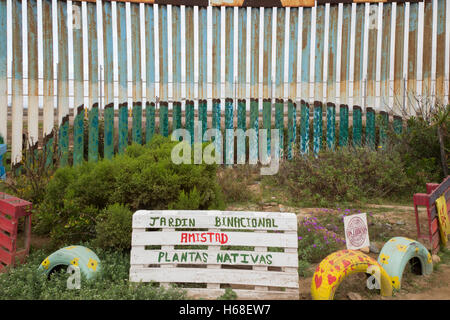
<point>335,267</point>
<point>397,252</point>
<point>80,256</point>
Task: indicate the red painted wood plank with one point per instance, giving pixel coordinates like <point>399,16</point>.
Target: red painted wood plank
<point>434,226</point>
<point>6,257</point>
<point>8,225</point>
<point>435,242</point>
<point>7,242</point>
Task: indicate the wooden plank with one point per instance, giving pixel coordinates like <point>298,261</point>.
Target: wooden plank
<point>279,54</point>
<point>359,55</point>
<point>279,124</point>
<point>304,128</point>
<point>369,90</point>
<point>93,133</point>
<point>242,127</point>
<point>216,49</point>
<point>219,238</point>
<point>108,67</point>
<point>202,54</point>
<point>108,143</point>
<point>136,133</point>
<point>242,294</point>
<point>293,59</point>
<point>63,71</point>
<point>242,56</point>
<point>357,127</point>
<point>222,257</point>
<point>370,128</point>
<point>176,52</point>
<point>427,50</point>
<point>254,62</point>
<point>331,126</point>
<point>412,49</point>
<point>164,118</point>
<point>399,53</point>
<point>78,138</point>
<point>385,53</point>
<point>77,36</point>
<point>136,54</point>
<point>150,54</point>
<point>192,275</point>
<point>343,125</point>
<point>345,54</point>
<point>440,49</point>
<point>332,53</point>
<point>33,92</point>
<point>3,73</point>
<point>17,83</point>
<point>149,121</point>
<point>47,50</point>
<point>8,225</point>
<point>292,129</point>
<point>219,219</point>
<point>229,132</point>
<point>93,57</point>
<point>6,242</point>
<point>229,56</point>
<point>267,60</point>
<point>6,257</point>
<point>254,124</point>
<point>190,53</point>
<point>123,127</point>
<point>319,53</point>
<point>306,52</point>
<point>122,54</point>
<point>317,127</point>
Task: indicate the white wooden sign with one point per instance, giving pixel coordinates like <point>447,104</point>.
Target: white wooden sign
<point>253,252</point>
<point>356,231</point>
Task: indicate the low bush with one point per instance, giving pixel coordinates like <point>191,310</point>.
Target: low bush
<point>344,175</point>
<point>144,177</point>
<point>114,227</point>
<point>24,282</point>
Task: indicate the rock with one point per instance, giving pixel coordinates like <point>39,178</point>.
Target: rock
<point>365,249</point>
<point>354,296</point>
<point>435,258</point>
<point>374,248</point>
<point>282,209</point>
<point>400,223</point>
<point>388,225</point>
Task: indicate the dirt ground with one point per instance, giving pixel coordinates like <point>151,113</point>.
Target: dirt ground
<point>401,221</point>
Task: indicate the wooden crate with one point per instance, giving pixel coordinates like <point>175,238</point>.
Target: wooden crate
<point>254,253</point>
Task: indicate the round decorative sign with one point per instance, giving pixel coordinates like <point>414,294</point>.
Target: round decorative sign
<point>356,231</point>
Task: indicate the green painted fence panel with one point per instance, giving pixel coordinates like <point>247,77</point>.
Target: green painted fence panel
<point>357,127</point>
<point>78,141</point>
<point>203,116</point>
<point>279,124</point>
<point>304,128</point>
<point>317,127</point>
<point>216,125</point>
<point>398,125</point>
<point>267,121</point>
<point>48,149</point>
<point>331,126</point>
<point>343,125</point>
<point>292,115</point>
<point>189,121</point>
<point>93,133</point>
<point>241,125</point>
<point>384,122</point>
<point>137,122</point>
<point>370,128</point>
<point>176,115</point>
<point>108,140</point>
<point>254,124</point>
<point>149,121</point>
<point>164,118</point>
<point>63,142</point>
<point>123,127</point>
<point>229,132</point>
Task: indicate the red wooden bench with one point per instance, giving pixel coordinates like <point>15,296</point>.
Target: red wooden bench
<point>12,209</point>
<point>434,191</point>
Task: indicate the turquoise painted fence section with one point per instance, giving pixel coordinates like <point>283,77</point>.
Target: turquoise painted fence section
<point>304,128</point>
<point>343,125</point>
<point>357,127</point>
<point>78,138</point>
<point>370,128</point>
<point>137,123</point>
<point>331,126</point>
<point>317,127</point>
<point>93,133</point>
<point>149,121</point>
<point>108,140</point>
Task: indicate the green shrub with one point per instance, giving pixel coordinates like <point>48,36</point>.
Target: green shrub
<point>113,228</point>
<point>344,175</point>
<point>24,282</point>
<point>144,177</point>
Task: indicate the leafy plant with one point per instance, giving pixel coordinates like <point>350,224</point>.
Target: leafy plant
<point>114,227</point>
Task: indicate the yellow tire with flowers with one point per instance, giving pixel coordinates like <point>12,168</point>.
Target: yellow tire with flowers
<point>82,257</point>
<point>397,252</point>
<point>335,267</point>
